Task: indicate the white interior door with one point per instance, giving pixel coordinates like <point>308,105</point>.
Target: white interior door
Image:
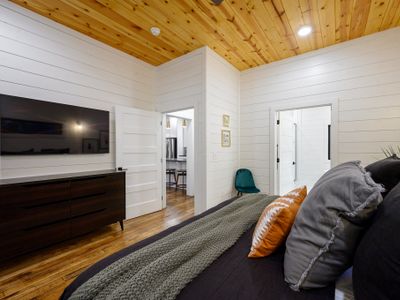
<point>138,149</point>
<point>302,147</point>
<point>313,144</point>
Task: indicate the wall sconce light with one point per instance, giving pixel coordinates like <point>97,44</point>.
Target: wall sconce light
<point>168,123</point>
<point>184,123</point>
<point>78,126</point>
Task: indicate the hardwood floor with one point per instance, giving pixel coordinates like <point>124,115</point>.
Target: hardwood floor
<point>44,274</point>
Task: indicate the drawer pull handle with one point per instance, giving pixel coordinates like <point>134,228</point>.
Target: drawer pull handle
<point>45,204</point>
<point>88,196</point>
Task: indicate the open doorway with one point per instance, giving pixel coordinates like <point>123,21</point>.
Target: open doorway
<point>303,138</point>
<point>179,157</point>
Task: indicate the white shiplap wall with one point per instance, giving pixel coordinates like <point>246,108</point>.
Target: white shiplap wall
<point>222,96</point>
<point>43,60</point>
<point>180,84</point>
<point>363,75</point>
<point>203,80</point>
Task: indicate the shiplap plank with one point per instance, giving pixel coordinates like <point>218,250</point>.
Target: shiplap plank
<point>370,136</point>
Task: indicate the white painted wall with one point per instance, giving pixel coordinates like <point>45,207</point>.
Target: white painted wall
<point>43,60</point>
<point>181,85</point>
<point>222,97</point>
<point>47,61</point>
<point>186,114</point>
<point>363,75</point>
<point>205,81</point>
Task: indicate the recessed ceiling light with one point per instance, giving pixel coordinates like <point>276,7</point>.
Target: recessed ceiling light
<point>155,31</point>
<point>304,30</point>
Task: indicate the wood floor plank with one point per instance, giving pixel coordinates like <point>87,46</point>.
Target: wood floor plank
<point>44,274</point>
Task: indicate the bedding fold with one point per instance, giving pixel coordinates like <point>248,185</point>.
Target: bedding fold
<point>162,269</point>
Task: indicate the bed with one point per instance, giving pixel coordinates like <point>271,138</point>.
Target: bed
<point>231,276</point>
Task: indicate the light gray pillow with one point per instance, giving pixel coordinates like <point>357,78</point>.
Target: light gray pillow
<point>328,225</point>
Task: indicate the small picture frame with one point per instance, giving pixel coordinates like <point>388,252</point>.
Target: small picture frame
<point>226,119</point>
<point>225,138</point>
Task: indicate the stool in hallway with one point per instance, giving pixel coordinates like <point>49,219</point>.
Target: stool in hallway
<point>181,173</point>
<point>172,172</point>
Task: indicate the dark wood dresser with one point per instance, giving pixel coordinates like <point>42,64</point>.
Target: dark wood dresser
<point>40,211</point>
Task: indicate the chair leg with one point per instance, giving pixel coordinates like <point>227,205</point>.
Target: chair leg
<point>176,182</point>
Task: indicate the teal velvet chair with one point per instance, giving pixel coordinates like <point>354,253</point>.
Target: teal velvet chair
<point>244,182</point>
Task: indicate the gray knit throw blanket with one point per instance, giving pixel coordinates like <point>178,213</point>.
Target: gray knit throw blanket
<point>162,269</point>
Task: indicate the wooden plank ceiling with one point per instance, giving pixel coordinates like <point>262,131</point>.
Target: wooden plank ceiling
<point>247,33</point>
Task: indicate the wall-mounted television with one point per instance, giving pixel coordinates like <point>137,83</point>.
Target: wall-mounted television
<point>33,127</point>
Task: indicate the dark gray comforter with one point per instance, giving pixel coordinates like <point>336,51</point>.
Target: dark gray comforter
<point>231,276</point>
<point>162,269</point>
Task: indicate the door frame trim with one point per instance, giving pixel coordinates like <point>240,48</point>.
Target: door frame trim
<point>274,109</point>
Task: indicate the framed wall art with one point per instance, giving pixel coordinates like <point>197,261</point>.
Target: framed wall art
<point>226,119</point>
<point>225,138</point>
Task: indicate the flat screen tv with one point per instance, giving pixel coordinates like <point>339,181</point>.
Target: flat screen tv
<point>33,127</point>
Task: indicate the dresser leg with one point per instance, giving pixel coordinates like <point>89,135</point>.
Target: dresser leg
<point>121,223</point>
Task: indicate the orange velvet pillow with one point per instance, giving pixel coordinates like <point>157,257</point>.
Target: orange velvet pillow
<point>275,222</point>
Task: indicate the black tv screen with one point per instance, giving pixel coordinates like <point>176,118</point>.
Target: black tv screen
<point>32,127</point>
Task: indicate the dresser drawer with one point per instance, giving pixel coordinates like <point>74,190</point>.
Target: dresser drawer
<point>97,185</point>
<point>32,195</point>
<point>37,214</point>
<point>16,219</point>
<point>85,205</point>
<point>88,187</point>
<point>27,240</point>
<point>87,223</point>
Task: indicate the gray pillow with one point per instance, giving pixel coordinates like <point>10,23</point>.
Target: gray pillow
<point>328,225</point>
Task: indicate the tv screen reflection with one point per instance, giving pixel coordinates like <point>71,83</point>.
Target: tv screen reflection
<point>32,127</point>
